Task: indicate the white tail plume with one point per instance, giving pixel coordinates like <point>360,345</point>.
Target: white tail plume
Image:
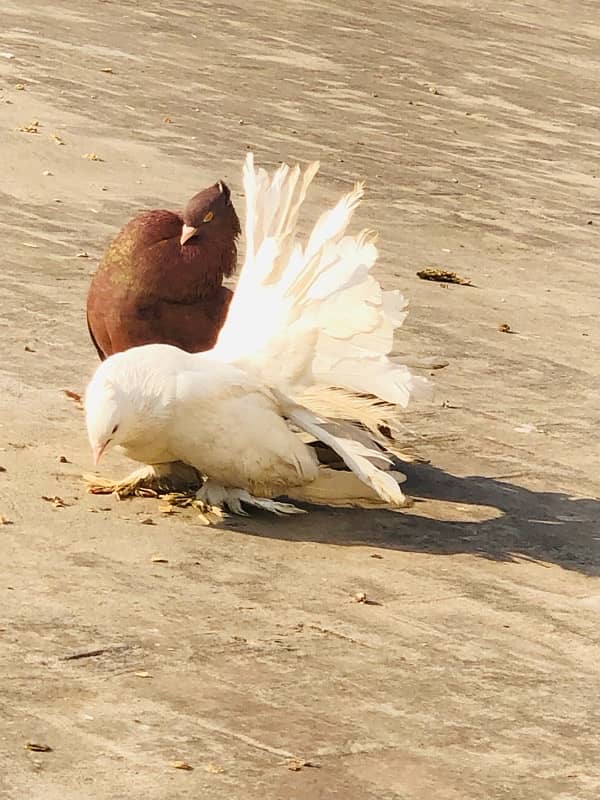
<point>312,321</point>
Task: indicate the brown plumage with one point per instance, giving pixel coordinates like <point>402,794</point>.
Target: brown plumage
<point>160,280</point>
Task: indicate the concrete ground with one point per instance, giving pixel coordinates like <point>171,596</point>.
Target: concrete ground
<point>473,673</point>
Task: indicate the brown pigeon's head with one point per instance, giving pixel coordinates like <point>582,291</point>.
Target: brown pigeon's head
<point>210,212</point>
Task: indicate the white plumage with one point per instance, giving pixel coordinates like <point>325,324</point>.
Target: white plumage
<point>307,339</point>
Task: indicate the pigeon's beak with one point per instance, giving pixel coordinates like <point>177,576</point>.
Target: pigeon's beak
<point>98,451</point>
<point>186,233</point>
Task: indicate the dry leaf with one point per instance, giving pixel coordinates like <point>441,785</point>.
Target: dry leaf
<point>56,501</point>
<point>92,157</point>
<point>167,120</point>
<point>5,520</point>
<point>179,499</point>
<point>443,276</point>
<point>63,460</point>
<point>159,560</point>
<point>296,764</point>
<point>28,349</point>
<point>142,674</point>
<point>166,509</point>
<point>58,139</point>
<point>31,128</point>
<point>73,395</point>
<point>147,521</point>
<point>109,70</point>
<point>20,87</point>
<point>82,254</point>
<point>38,748</point>
<point>181,765</point>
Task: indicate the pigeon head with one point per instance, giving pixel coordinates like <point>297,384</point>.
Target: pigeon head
<point>105,416</point>
<point>210,213</point>
<point>128,401</point>
<point>115,403</point>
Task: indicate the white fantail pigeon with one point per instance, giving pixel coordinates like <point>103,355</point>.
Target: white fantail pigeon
<point>306,343</point>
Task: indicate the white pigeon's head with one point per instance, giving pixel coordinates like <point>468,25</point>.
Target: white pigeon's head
<point>114,406</point>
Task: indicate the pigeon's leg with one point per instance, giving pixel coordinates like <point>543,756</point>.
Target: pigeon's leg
<point>149,481</point>
<point>213,498</point>
<point>214,495</point>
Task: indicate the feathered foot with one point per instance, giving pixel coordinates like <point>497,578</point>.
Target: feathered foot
<point>343,489</point>
<point>148,481</point>
<point>214,497</point>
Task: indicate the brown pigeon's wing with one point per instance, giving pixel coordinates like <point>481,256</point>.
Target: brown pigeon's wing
<point>99,350</point>
<point>124,275</point>
<point>192,326</point>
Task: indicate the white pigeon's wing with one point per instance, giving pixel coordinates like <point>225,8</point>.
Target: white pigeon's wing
<point>230,428</point>
<point>358,456</point>
<point>313,315</point>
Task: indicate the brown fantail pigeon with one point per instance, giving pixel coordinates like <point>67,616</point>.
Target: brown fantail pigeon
<point>160,280</point>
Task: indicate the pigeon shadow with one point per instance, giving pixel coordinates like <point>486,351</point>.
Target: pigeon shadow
<point>481,516</point>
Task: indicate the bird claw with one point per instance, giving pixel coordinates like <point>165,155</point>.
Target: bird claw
<point>274,506</point>
<point>234,504</point>
<point>214,497</point>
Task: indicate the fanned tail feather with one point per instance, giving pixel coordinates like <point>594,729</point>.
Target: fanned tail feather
<point>367,409</point>
<point>314,324</point>
<point>312,315</point>
<point>378,422</point>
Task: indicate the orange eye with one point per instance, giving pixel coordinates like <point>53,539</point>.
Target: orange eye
<point>208,216</point>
